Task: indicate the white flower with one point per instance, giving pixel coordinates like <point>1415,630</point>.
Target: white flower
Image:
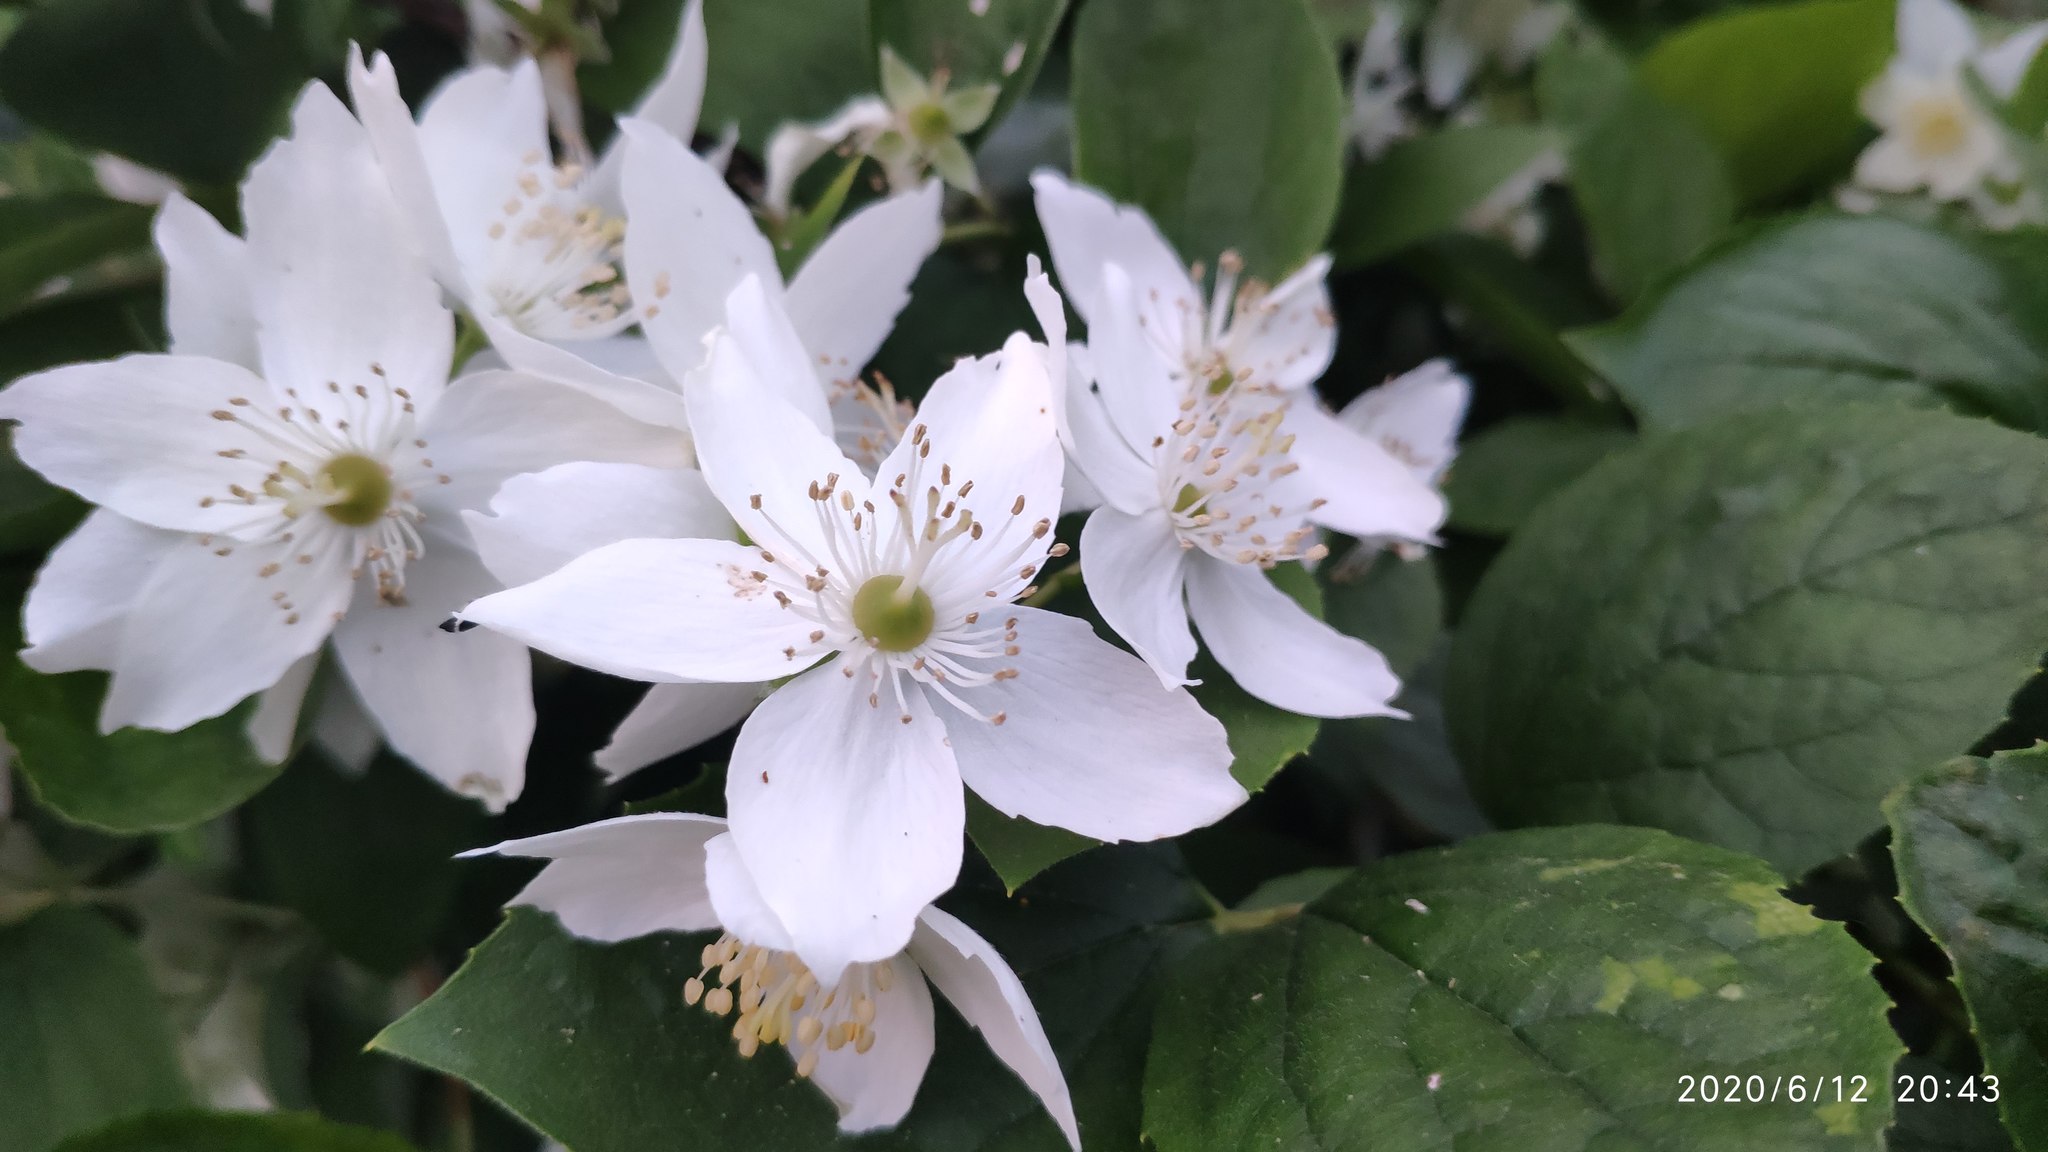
<point>1935,134</point>
<point>1380,85</point>
<point>293,470</point>
<point>1215,461</point>
<point>1463,36</point>
<point>864,1036</point>
<point>914,127</point>
<point>532,249</point>
<point>889,604</point>
<point>1510,212</point>
<point>1415,417</point>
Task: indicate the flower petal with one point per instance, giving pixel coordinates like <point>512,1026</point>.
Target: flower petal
<point>492,426</point>
<point>622,878</point>
<point>343,730</point>
<point>1288,337</point>
<point>341,292</point>
<point>2005,65</point>
<point>672,105</point>
<point>794,147</point>
<point>541,521</point>
<point>737,901</point>
<point>276,719</point>
<point>968,971</point>
<point>458,706</point>
<point>149,437</point>
<point>1133,568</point>
<point>661,610</point>
<point>205,633</point>
<point>1141,390</point>
<point>1123,478</point>
<point>1415,416</point>
<point>1091,742</point>
<point>373,89</point>
<point>591,370</point>
<point>689,242</point>
<point>1278,652</point>
<point>1367,491</point>
<point>1934,35</point>
<point>1086,230</point>
<point>674,718</point>
<point>874,1089</point>
<point>207,302</point>
<point>81,595</point>
<point>849,818</point>
<point>846,297</point>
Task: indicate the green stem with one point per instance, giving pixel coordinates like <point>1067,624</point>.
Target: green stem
<point>1053,586</point>
<point>976,230</point>
<point>469,340</point>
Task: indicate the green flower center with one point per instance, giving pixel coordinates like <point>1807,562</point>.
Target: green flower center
<point>363,487</point>
<point>1221,382</point>
<point>889,621</point>
<point>1188,498</point>
<point>930,124</point>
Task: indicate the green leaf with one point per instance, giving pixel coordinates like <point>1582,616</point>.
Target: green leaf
<point>2027,112</point>
<point>1017,848</point>
<point>1971,841</point>
<point>367,859</point>
<point>1546,991</point>
<point>1374,759</point>
<point>963,302</point>
<point>83,1040</point>
<point>194,88</point>
<point>1652,188</point>
<point>1775,87</point>
<point>1426,186</point>
<point>33,513</point>
<point>231,1132</point>
<point>129,781</point>
<point>998,42</point>
<point>593,1045</point>
<point>1221,118</point>
<point>1822,310</point>
<point>1504,474</point>
<point>1521,308</point>
<point>791,60</point>
<point>1749,632</point>
<point>44,238</point>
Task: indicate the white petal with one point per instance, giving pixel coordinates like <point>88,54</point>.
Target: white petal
<point>1448,59</point>
<point>82,593</point>
<point>617,879</point>
<point>207,303</point>
<point>672,105</point>
<point>204,632</point>
<point>458,706</point>
<point>689,242</point>
<point>674,718</point>
<point>1934,35</point>
<point>339,283</point>
<point>592,370</point>
<point>1132,565</point>
<point>761,328</point>
<point>795,147</point>
<point>1287,340</point>
<point>478,132</point>
<point>968,971</point>
<point>492,426</point>
<point>1141,389</point>
<point>276,719</point>
<point>1278,652</point>
<point>754,446</point>
<point>1415,416</point>
<point>140,436</point>
<point>846,296</point>
<point>736,899</point>
<point>1890,165</point>
<point>874,1089</point>
<point>848,817</point>
<point>343,730</point>
<point>1368,492</point>
<point>373,89</point>
<point>1087,230</point>
<point>1124,478</point>
<point>541,521</point>
<point>656,610</point>
<point>2005,66</point>
<point>1091,742</point>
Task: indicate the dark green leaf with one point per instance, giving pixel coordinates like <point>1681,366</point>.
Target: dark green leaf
<point>964,302</point>
<point>224,1132</point>
<point>996,42</point>
<point>194,88</point>
<point>1409,761</point>
<point>1545,991</point>
<point>1950,1124</point>
<point>1521,308</point>
<point>42,239</point>
<point>367,859</point>
<point>1751,631</point>
<point>1505,472</point>
<point>1390,603</point>
<point>1971,841</point>
<point>1823,310</point>
<point>131,780</point>
<point>1221,118</point>
<point>1428,185</point>
<point>1652,188</point>
<point>82,1039</point>
<point>1775,87</point>
<point>1015,847</point>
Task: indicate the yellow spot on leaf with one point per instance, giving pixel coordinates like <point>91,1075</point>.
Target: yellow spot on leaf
<point>1839,1118</point>
<point>1775,915</point>
<point>1584,868</point>
<point>1618,981</point>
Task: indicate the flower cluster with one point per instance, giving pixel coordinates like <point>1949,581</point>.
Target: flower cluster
<point>666,466</point>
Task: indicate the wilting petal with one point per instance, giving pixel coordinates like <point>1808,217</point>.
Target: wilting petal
<point>541,521</point>
<point>1090,741</point>
<point>82,593</point>
<point>618,879</point>
<point>1133,568</point>
<point>968,971</point>
<point>207,304</point>
<point>849,818</point>
<point>674,718</point>
<point>1278,652</point>
<point>846,296</point>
